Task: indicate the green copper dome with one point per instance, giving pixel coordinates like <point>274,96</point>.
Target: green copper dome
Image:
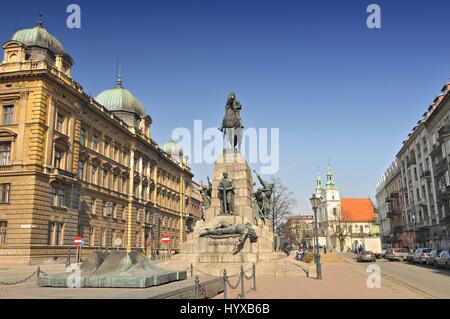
<point>172,148</point>
<point>39,36</point>
<point>120,99</point>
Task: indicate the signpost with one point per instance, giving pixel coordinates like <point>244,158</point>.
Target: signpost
<point>79,243</point>
<point>165,240</point>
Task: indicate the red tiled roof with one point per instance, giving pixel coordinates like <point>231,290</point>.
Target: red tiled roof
<point>357,210</point>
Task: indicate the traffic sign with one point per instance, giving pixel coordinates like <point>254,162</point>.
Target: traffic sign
<point>165,239</point>
<point>78,241</point>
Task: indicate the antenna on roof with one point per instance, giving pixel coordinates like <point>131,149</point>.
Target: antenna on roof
<point>119,82</point>
<point>40,22</point>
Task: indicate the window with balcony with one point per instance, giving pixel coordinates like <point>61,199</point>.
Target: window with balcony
<point>5,193</point>
<point>57,160</point>
<point>8,114</point>
<point>3,230</point>
<point>5,154</point>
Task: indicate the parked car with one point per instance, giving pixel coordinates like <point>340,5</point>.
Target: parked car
<point>443,260</point>
<point>366,255</point>
<point>410,256</point>
<point>421,255</point>
<point>433,255</point>
<point>396,254</point>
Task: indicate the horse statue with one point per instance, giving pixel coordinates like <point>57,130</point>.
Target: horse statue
<point>232,126</point>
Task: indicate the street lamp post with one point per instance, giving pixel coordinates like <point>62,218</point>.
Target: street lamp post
<point>315,201</point>
<point>413,217</point>
<point>108,213</point>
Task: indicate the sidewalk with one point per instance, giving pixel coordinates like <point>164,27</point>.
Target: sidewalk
<point>341,280</point>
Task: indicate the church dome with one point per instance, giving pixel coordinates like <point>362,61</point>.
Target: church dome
<point>172,148</point>
<point>39,36</point>
<point>120,99</point>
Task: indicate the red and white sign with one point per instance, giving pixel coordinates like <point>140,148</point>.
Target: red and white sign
<point>78,241</point>
<point>165,239</point>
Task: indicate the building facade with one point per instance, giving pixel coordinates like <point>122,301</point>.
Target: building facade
<point>424,175</point>
<point>299,230</point>
<point>72,165</point>
<point>343,222</point>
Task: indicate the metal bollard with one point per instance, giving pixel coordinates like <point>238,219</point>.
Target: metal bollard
<point>242,283</point>
<point>225,284</point>
<point>192,270</point>
<point>68,256</point>
<point>254,276</point>
<point>38,271</point>
<point>196,287</point>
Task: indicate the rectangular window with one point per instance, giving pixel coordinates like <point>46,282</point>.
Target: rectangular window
<point>95,142</point>
<point>8,114</point>
<point>5,154</point>
<point>57,159</point>
<point>55,234</point>
<point>93,205</point>
<point>94,175</point>
<point>83,136</point>
<point>105,178</point>
<point>60,197</point>
<point>114,211</point>
<point>4,193</point>
<point>3,229</point>
<point>80,174</point>
<point>60,123</point>
<point>92,236</point>
<point>106,148</point>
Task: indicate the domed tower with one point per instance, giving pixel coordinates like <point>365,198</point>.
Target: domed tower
<point>126,106</point>
<point>35,45</point>
<point>174,150</point>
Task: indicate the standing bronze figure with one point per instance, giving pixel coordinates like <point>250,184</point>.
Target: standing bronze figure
<point>206,193</point>
<point>226,195</point>
<point>232,126</point>
<point>262,196</point>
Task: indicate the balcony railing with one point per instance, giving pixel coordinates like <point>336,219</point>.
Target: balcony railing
<point>426,174</point>
<point>5,168</point>
<point>410,162</point>
<point>445,130</point>
<point>441,166</point>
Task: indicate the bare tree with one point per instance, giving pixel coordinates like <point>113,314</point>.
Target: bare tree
<point>283,202</point>
<point>342,230</point>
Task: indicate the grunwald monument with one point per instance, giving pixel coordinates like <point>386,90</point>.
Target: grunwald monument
<point>235,229</point>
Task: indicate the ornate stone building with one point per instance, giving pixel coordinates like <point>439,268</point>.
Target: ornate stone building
<point>72,165</point>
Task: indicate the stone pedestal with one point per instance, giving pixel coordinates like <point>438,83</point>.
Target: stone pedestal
<point>212,255</point>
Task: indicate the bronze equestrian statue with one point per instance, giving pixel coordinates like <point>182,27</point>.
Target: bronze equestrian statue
<point>232,126</point>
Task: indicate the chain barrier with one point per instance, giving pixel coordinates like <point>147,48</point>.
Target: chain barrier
<point>226,283</point>
<point>13,283</point>
<point>233,286</point>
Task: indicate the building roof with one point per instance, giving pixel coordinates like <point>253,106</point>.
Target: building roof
<point>357,210</point>
<point>120,99</point>
<point>39,36</point>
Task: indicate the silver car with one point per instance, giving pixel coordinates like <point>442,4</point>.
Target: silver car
<point>421,255</point>
<point>443,260</point>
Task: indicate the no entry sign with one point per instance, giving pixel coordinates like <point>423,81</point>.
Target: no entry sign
<point>78,241</point>
<point>165,239</point>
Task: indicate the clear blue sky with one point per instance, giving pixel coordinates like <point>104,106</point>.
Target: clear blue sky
<point>312,68</point>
